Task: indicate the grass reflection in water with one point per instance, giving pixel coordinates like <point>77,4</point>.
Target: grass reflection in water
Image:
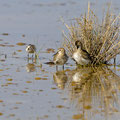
<point>90,88</point>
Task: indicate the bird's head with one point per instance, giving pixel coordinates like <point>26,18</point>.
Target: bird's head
<point>78,44</point>
<point>61,50</point>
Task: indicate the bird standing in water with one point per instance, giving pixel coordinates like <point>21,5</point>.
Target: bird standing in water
<point>81,56</point>
<point>31,49</point>
<point>60,58</point>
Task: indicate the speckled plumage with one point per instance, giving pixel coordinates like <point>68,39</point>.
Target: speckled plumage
<point>81,56</point>
<point>31,48</point>
<point>60,58</point>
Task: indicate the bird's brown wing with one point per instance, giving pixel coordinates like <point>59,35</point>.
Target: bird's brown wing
<point>55,56</point>
<point>55,53</point>
<point>33,48</point>
<point>85,54</point>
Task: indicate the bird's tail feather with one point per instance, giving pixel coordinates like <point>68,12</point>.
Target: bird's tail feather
<point>50,63</point>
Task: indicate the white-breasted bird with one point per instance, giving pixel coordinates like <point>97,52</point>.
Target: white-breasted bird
<point>31,49</point>
<point>81,56</point>
<point>59,58</point>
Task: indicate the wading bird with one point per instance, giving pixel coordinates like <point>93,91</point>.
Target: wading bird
<point>59,58</point>
<point>81,56</point>
<point>31,49</point>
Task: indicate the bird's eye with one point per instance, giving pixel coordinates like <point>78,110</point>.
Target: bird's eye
<point>28,48</point>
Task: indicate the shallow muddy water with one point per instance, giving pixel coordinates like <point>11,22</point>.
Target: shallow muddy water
<point>31,91</point>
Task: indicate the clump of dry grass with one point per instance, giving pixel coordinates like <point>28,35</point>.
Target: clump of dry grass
<point>100,39</point>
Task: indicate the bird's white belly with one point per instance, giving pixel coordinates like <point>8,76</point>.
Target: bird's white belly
<point>77,57</point>
<point>80,60</point>
<point>76,77</point>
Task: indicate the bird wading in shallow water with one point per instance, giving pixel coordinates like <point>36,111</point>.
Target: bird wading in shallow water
<point>31,49</point>
<point>81,56</point>
<point>59,58</point>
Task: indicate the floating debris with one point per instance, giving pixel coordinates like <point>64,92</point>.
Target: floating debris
<point>50,50</point>
<point>5,34</point>
<point>77,116</point>
<point>21,44</point>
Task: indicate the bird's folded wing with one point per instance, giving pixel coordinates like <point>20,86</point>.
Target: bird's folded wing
<point>86,55</point>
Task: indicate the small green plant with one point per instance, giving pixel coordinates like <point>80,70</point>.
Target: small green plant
<point>37,59</point>
<point>100,39</point>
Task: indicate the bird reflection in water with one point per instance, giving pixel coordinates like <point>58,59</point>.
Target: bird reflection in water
<point>92,90</point>
<point>30,67</point>
<point>60,78</point>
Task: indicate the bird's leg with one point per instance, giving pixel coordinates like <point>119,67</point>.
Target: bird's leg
<point>32,57</point>
<point>56,68</point>
<point>28,55</point>
<point>28,58</point>
<point>114,61</point>
<point>63,67</point>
